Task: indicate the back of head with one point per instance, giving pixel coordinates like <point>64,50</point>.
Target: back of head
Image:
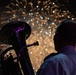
<point>67,30</point>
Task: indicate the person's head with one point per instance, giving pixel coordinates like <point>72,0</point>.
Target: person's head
<point>65,34</point>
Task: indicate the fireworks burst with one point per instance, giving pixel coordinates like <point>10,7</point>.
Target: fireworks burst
<point>43,19</point>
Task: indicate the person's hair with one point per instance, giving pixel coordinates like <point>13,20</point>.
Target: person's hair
<point>67,30</point>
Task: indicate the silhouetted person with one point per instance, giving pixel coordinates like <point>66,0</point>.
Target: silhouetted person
<point>64,61</point>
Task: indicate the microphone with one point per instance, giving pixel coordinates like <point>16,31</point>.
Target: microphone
<point>22,49</point>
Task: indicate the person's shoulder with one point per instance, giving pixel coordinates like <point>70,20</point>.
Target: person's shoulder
<point>50,55</point>
<point>54,56</point>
